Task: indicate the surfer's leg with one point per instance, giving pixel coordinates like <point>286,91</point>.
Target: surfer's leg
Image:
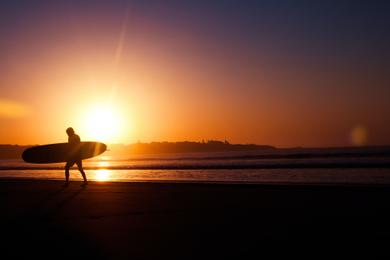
<point>67,167</point>
<point>80,166</point>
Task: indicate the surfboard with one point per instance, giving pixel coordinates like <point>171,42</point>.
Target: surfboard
<point>63,152</point>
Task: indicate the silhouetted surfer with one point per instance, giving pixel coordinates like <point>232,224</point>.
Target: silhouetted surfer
<point>74,141</point>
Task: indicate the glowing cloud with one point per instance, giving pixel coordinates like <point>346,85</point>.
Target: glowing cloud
<point>11,109</point>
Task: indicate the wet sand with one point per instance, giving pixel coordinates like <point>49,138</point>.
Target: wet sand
<point>191,221</point>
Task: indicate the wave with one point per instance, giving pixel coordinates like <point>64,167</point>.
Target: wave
<point>227,166</point>
<point>291,153</point>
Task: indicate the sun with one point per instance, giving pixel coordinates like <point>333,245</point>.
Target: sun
<point>102,123</point>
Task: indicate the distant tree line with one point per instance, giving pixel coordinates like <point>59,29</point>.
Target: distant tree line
<point>191,147</point>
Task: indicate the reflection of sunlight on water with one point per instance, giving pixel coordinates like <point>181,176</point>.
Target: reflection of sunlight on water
<point>103,164</point>
<point>103,158</point>
<point>103,174</point>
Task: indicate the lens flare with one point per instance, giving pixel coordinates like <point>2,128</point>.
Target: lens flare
<point>358,135</point>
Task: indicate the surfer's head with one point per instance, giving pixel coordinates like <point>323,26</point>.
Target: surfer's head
<point>70,131</point>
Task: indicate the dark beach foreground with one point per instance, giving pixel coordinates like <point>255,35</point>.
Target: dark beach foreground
<point>191,221</point>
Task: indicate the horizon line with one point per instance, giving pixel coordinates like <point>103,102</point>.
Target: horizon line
<point>206,142</point>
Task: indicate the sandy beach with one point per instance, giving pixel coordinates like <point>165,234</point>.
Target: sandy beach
<point>183,220</point>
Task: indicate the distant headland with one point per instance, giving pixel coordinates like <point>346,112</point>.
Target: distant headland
<point>186,147</point>
<point>14,151</point>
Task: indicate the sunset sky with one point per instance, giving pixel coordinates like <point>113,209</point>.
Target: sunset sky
<point>284,73</point>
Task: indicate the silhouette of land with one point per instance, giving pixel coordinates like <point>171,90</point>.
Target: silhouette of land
<point>8,151</point>
<point>186,147</point>
<point>265,151</point>
<point>15,151</point>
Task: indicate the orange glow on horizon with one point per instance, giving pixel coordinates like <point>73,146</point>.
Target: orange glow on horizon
<point>12,109</point>
<point>124,77</point>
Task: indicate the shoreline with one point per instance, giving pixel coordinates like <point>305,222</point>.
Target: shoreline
<point>216,183</point>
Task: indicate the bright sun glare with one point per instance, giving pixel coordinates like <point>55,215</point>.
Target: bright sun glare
<point>102,124</point>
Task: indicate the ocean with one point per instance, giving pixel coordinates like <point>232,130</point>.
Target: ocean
<point>369,165</point>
